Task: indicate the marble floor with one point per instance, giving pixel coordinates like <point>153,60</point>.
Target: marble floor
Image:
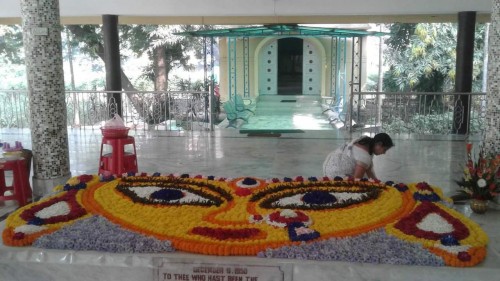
<point>228,153</point>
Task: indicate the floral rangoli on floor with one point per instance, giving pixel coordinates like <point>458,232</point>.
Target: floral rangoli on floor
<point>303,218</point>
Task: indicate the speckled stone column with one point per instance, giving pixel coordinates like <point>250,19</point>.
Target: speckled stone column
<point>492,135</point>
<point>44,68</point>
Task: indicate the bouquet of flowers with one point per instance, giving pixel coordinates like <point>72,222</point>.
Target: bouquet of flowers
<point>481,179</point>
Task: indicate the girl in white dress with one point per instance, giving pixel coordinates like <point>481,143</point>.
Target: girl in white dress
<point>355,158</point>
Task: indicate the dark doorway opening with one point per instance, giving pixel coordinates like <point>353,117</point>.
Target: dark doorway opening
<point>290,66</point>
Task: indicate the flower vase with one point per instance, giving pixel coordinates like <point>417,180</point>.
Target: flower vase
<point>479,206</point>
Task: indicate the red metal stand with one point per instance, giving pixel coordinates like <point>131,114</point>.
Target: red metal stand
<point>118,161</point>
<point>20,187</point>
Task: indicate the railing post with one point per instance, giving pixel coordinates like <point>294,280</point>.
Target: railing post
<point>378,111</point>
<point>349,112</point>
<point>357,55</point>
<point>211,107</point>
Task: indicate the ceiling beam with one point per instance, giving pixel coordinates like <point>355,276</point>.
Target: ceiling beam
<point>246,20</point>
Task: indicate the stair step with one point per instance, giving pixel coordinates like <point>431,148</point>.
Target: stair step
<point>288,112</point>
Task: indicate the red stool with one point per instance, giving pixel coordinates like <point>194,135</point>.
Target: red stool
<point>118,161</point>
<point>20,182</point>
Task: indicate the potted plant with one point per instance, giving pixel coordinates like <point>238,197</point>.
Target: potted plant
<point>481,179</point>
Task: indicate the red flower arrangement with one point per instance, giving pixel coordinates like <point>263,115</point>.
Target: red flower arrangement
<point>481,178</point>
<point>225,234</point>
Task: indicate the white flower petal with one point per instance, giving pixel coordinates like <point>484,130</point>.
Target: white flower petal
<point>481,183</point>
<point>435,223</point>
<point>144,192</point>
<point>57,209</point>
<point>287,213</point>
<point>29,229</point>
<point>453,249</point>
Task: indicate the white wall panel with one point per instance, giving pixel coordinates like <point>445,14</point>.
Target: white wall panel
<point>268,69</point>
<point>311,70</point>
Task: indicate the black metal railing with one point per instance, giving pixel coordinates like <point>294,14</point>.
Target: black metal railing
<point>411,113</point>
<point>141,110</point>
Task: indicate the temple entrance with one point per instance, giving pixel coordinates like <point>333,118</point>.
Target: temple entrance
<point>290,62</point>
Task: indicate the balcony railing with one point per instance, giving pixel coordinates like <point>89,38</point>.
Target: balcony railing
<point>417,113</point>
<point>14,107</point>
<point>141,110</point>
<point>409,113</point>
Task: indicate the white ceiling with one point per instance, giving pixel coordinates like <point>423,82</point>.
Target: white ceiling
<point>328,10</point>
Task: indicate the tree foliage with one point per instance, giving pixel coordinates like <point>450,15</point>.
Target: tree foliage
<point>165,50</point>
<point>422,57</point>
<point>11,44</point>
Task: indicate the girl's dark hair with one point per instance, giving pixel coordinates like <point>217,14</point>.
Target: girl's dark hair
<point>382,138</point>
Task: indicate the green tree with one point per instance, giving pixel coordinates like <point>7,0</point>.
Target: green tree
<point>422,57</point>
<point>12,58</point>
<point>11,44</point>
<point>91,38</point>
<point>165,50</point>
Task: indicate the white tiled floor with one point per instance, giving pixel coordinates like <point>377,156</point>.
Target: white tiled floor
<point>226,152</point>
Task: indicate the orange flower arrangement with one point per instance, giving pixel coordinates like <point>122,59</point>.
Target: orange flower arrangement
<point>249,216</point>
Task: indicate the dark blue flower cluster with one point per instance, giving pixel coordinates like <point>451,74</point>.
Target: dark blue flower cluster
<point>433,197</point>
<point>78,186</point>
<point>36,221</point>
<point>449,240</point>
<point>249,181</point>
<point>167,194</point>
<point>319,198</point>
